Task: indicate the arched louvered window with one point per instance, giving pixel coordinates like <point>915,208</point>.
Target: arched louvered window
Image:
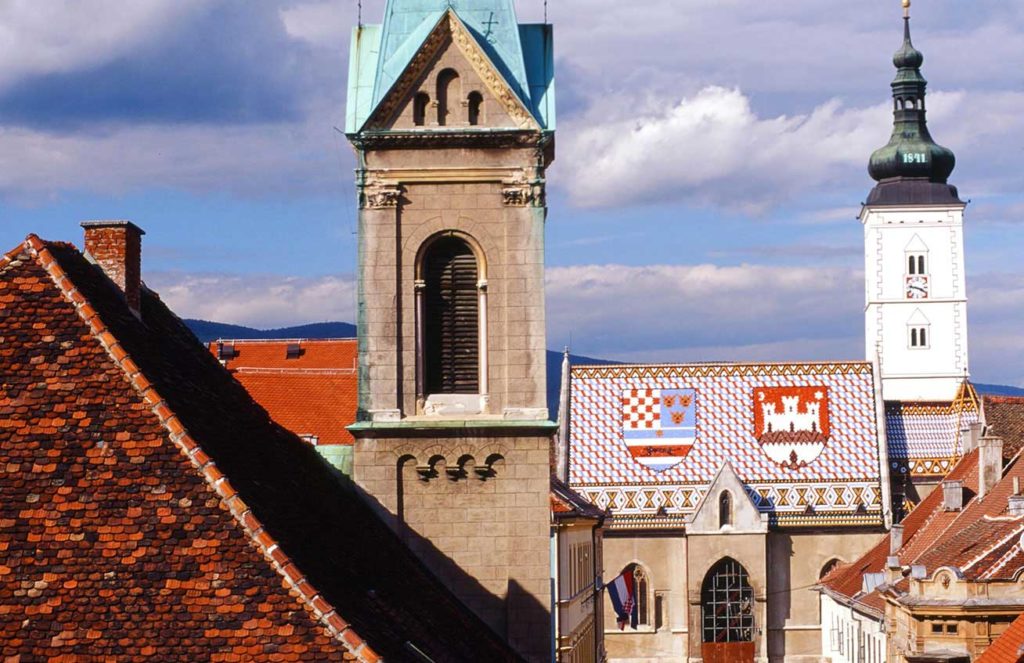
<point>419,109</point>
<point>724,509</point>
<point>448,90</point>
<point>727,604</point>
<point>476,102</point>
<point>451,316</point>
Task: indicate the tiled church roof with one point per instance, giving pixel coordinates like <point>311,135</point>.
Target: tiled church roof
<point>925,439</point>
<point>839,486</point>
<point>153,511</point>
<point>314,394</point>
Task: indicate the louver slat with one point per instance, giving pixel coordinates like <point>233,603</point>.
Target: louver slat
<point>451,319</point>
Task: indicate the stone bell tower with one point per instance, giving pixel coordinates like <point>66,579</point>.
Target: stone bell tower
<point>451,114</point>
<point>916,313</point>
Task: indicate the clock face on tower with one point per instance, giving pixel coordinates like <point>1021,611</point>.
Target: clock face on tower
<point>917,287</point>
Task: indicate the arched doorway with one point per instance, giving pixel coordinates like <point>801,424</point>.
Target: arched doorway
<point>727,614</point>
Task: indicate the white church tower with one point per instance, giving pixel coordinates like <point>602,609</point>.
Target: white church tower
<point>916,313</point>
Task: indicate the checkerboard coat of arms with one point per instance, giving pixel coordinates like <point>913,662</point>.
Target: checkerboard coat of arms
<point>792,423</point>
<point>659,426</point>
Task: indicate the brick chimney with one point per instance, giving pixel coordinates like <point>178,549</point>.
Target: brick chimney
<point>116,246</point>
<point>990,464</point>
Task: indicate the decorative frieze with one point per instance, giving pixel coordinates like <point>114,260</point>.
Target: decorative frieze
<point>380,197</point>
<point>518,196</point>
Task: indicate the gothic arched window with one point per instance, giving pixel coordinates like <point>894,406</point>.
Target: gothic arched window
<point>829,567</point>
<point>727,604</point>
<point>475,106</point>
<point>447,91</point>
<point>419,109</point>
<point>641,593</point>
<point>725,509</point>
<point>450,318</point>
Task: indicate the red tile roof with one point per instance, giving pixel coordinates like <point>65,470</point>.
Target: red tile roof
<point>1007,648</point>
<point>312,395</point>
<point>151,508</point>
<point>1005,417</point>
<point>922,526</point>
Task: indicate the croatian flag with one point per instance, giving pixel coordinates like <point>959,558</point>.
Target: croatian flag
<point>623,599</point>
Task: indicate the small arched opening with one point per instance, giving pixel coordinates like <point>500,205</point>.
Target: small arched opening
<point>419,109</point>
<point>475,108</point>
<point>448,89</point>
<point>725,508</point>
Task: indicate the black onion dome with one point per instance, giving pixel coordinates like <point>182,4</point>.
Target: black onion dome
<point>911,154</point>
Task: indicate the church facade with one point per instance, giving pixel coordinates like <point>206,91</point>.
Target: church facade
<point>734,488</point>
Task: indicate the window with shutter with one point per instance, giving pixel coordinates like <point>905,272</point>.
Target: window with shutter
<point>451,319</point>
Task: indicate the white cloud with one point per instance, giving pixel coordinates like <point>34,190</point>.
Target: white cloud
<point>250,160</point>
<point>713,148</point>
<point>261,301</point>
<point>325,24</point>
<point>636,311</point>
<point>57,37</point>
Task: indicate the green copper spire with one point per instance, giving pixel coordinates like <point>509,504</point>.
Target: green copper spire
<point>911,153</point>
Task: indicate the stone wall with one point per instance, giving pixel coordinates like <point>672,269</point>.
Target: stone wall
<point>475,508</point>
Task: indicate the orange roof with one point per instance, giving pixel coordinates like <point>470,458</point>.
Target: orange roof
<point>314,394</point>
<point>314,354</point>
<point>1007,648</point>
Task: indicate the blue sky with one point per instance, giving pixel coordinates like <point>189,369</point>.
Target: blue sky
<point>711,160</point>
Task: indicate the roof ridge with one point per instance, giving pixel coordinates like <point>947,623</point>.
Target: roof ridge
<point>285,340</point>
<point>259,370</point>
<point>318,607</point>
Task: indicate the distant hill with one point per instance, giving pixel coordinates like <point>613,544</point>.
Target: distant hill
<point>210,331</point>
<point>999,390</point>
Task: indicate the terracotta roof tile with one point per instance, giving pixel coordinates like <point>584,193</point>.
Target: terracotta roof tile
<point>1005,417</point>
<point>1007,648</point>
<point>314,395</point>
<point>114,545</point>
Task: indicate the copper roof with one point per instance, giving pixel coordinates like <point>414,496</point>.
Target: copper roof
<point>152,509</point>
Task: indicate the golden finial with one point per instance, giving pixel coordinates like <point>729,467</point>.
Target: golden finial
<point>906,8</point>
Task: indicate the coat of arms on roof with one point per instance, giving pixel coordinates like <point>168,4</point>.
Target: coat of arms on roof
<point>792,423</point>
<point>659,426</point>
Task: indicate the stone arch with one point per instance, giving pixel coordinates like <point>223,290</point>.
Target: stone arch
<point>829,566</point>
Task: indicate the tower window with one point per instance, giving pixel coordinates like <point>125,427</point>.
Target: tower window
<point>451,318</point>
<point>447,90</point>
<point>419,109</point>
<point>476,102</point>
<point>916,264</point>
<point>919,337</point>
